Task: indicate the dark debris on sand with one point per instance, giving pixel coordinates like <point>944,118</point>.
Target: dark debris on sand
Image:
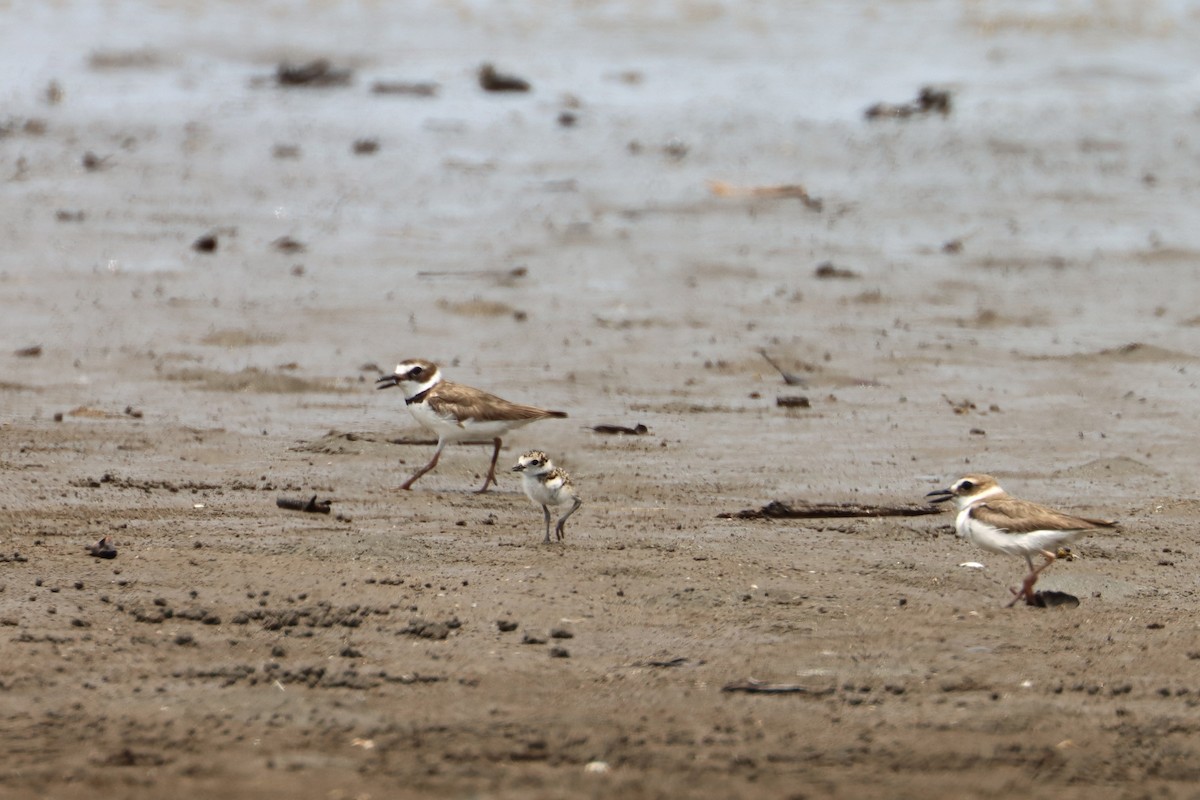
<point>929,100</point>
<point>492,81</point>
<point>319,73</point>
<point>802,509</point>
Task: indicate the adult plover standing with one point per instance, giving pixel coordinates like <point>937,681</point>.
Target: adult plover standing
<point>547,485</point>
<point>990,518</point>
<point>455,412</point>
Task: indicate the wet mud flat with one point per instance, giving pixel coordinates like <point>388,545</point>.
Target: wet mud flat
<point>428,643</point>
<point>210,582</point>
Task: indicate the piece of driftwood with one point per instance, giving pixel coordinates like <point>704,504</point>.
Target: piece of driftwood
<point>826,270</point>
<point>103,548</point>
<point>779,191</point>
<point>929,100</point>
<point>801,509</point>
<point>751,686</point>
<point>499,274</point>
<point>667,663</point>
<point>490,80</point>
<point>310,505</point>
<point>414,89</point>
<point>622,430</point>
<point>318,72</point>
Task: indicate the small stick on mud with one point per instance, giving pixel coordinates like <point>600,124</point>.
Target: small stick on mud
<point>790,378</point>
<point>667,663</point>
<point>751,686</point>
<point>318,72</point>
<point>800,509</point>
<point>777,191</point>
<point>311,505</point>
<point>621,430</point>
<point>498,274</point>
<point>492,81</point>
<point>413,89</point>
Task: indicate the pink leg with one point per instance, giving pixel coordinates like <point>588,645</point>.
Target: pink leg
<point>1030,579</point>
<point>1025,591</point>
<point>432,463</point>
<point>491,476</point>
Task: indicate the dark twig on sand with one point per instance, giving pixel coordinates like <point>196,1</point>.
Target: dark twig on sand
<point>412,89</point>
<point>667,663</point>
<point>790,378</point>
<point>799,509</point>
<point>318,72</point>
<point>621,430</point>
<point>311,505</point>
<point>751,686</point>
<point>929,100</point>
<point>492,81</point>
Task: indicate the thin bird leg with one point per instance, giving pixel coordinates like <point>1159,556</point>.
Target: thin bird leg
<point>546,511</point>
<point>1050,559</point>
<point>491,476</point>
<point>432,463</point>
<point>1026,585</point>
<point>1031,578</point>
<point>562,521</point>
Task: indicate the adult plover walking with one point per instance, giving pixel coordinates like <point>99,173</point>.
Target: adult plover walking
<point>547,485</point>
<point>455,412</point>
<point>990,518</point>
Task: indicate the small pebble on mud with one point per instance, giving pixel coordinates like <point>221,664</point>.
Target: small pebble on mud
<point>492,81</point>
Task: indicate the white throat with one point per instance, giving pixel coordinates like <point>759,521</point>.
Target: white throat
<point>412,389</point>
<point>969,500</point>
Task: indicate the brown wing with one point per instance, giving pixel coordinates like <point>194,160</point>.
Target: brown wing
<point>1021,516</point>
<point>559,472</point>
<point>467,402</point>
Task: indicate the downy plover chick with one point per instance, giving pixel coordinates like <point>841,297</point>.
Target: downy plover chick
<point>990,518</point>
<point>547,485</point>
<point>457,413</point>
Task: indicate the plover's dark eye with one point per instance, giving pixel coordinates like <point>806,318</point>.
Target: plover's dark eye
<point>535,463</point>
<point>966,486</point>
<point>415,371</point>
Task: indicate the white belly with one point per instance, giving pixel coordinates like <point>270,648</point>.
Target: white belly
<point>1017,544</point>
<point>452,430</point>
<point>546,494</point>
